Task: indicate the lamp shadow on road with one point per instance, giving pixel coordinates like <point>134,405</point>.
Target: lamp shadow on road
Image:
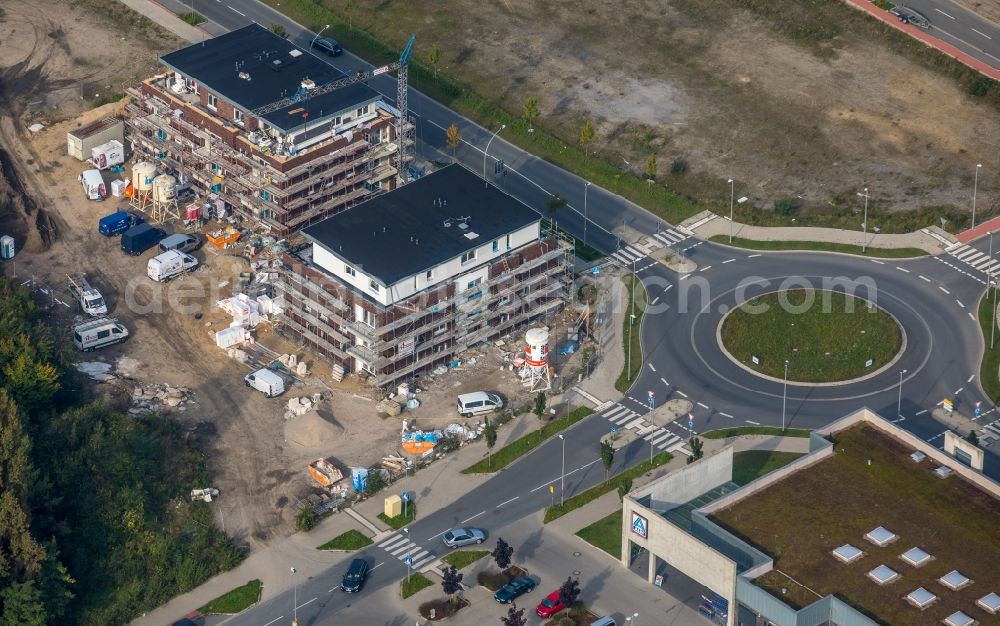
<point>529,547</point>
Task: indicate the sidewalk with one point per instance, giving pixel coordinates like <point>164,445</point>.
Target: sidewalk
<point>432,488</point>
<point>168,19</point>
<point>922,239</point>
<point>601,383</point>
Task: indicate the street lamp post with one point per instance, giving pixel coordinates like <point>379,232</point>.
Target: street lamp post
<point>562,474</point>
<point>732,194</point>
<point>899,400</point>
<point>864,224</point>
<point>486,151</point>
<point>784,397</point>
<point>295,600</point>
<point>585,188</point>
<point>975,187</point>
<point>317,35</point>
<point>408,559</point>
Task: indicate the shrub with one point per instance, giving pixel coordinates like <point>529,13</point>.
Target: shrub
<point>980,86</point>
<point>448,444</point>
<point>492,580</point>
<point>443,607</point>
<point>306,519</point>
<point>679,166</point>
<point>785,206</point>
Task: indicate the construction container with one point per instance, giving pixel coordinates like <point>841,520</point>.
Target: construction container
<point>108,154</point>
<point>324,473</point>
<point>6,247</point>
<point>81,142</point>
<point>393,506</point>
<point>118,187</point>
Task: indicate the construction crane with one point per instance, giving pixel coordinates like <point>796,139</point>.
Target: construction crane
<point>402,132</point>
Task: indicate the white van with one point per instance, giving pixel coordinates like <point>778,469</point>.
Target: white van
<point>181,242</point>
<point>604,621</point>
<point>163,267</point>
<point>93,185</point>
<point>266,381</point>
<point>98,333</point>
<point>477,402</point>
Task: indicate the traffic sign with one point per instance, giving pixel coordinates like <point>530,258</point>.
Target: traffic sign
<point>408,560</point>
<point>948,405</point>
<point>596,269</point>
<point>406,496</point>
<point>614,429</point>
<point>552,488</point>
<point>690,421</point>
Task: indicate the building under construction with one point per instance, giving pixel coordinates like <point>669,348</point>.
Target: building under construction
<point>267,131</point>
<point>410,279</point>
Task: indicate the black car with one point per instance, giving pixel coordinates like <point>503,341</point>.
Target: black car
<point>328,45</point>
<point>355,576</point>
<point>513,589</point>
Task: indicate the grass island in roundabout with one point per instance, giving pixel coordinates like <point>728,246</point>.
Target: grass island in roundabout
<point>826,336</point>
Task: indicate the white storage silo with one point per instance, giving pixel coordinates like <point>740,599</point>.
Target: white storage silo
<point>143,174</point>
<point>536,349</point>
<point>164,188</point>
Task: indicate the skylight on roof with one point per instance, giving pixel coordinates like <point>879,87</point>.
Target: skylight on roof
<point>470,236</point>
<point>954,580</point>
<point>881,536</point>
<point>848,553</point>
<point>921,598</point>
<point>989,603</point>
<point>883,574</point>
<point>295,53</point>
<point>959,618</point>
<point>915,557</point>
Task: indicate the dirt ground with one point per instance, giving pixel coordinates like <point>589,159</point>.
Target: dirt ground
<point>990,9</point>
<point>712,83</point>
<point>255,456</point>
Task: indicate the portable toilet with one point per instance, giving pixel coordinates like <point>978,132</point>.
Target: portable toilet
<point>6,247</point>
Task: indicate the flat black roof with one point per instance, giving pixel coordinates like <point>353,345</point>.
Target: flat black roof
<point>403,232</point>
<point>276,69</point>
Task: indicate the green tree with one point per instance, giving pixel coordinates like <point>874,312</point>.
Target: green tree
<point>514,617</point>
<point>972,438</point>
<point>607,458</point>
<point>651,167</point>
<point>305,520</point>
<point>453,137</point>
<point>279,30</point>
<point>586,136</point>
<point>569,591</point>
<point>623,488</point>
<point>552,205</point>
<point>434,57</point>
<point>696,450</point>
<point>23,605</point>
<point>531,111</point>
<point>490,433</point>
<point>451,581</point>
<point>502,554</point>
<point>539,409</point>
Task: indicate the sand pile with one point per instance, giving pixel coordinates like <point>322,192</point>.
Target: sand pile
<point>312,430</point>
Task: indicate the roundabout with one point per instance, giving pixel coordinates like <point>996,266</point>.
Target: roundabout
<point>811,336</point>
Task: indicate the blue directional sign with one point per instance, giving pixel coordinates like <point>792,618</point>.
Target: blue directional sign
<point>596,269</point>
<point>614,429</point>
<point>408,560</point>
<point>406,496</point>
<point>690,421</point>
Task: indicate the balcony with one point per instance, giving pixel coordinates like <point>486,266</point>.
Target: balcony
<point>361,329</point>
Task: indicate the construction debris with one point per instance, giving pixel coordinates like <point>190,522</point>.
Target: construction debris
<point>298,406</point>
<point>208,494</point>
<point>157,398</point>
<point>324,473</point>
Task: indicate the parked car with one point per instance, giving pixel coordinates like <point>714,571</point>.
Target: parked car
<point>550,605</point>
<point>328,45</point>
<point>181,242</point>
<point>355,576</point>
<point>458,537</point>
<point>604,621</point>
<point>513,589</point>
<point>477,402</point>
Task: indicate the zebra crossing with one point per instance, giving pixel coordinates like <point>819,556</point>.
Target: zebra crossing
<point>400,546</point>
<point>669,236</point>
<point>628,256</point>
<point>976,259</point>
<point>623,417</point>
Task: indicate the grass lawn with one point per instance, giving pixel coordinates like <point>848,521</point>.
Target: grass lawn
<point>741,431</point>
<point>464,558</point>
<point>825,335</point>
<point>605,533</point>
<point>191,18</point>
<point>991,357</point>
<point>752,464</point>
<point>883,253</point>
<point>417,582</point>
<point>571,504</point>
<point>351,540</point>
<point>236,600</point>
<point>402,519</point>
<point>801,518</point>
<point>629,374</point>
<point>516,449</point>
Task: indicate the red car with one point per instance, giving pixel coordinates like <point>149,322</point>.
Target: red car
<point>550,605</point>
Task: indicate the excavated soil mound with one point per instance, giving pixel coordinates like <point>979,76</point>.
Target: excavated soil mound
<point>312,431</point>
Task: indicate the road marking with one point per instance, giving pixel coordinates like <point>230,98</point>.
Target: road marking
<point>902,269</point>
<point>971,317</point>
<point>508,501</point>
<point>879,262</point>
<point>383,563</point>
<point>958,391</point>
<point>921,412</point>
<point>752,422</point>
<point>334,589</point>
<point>236,12</point>
<point>651,366</point>
<point>729,261</point>
<point>305,603</point>
<point>983,34</point>
<point>667,288</point>
<point>473,517</point>
<point>725,415</point>
<point>438,535</point>
<point>664,381</point>
<point>970,378</point>
<point>960,303</point>
<point>684,277</point>
<point>704,406</point>
<point>924,278</point>
<point>753,256</point>
<point>944,14</point>
<point>274,620</point>
<point>707,267</point>
<point>944,290</point>
<point>681,393</point>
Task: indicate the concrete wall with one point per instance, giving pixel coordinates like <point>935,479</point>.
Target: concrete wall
<point>687,484</point>
<point>954,443</point>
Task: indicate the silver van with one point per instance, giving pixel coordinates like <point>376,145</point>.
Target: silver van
<point>181,242</point>
<point>604,621</point>
<point>98,333</point>
<point>477,402</point>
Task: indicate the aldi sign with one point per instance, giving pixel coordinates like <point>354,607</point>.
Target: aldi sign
<point>640,526</point>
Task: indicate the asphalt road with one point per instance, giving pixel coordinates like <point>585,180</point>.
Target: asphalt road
<point>962,28</point>
<point>934,299</point>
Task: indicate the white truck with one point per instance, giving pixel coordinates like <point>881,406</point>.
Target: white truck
<point>91,301</point>
<point>98,333</point>
<point>169,264</point>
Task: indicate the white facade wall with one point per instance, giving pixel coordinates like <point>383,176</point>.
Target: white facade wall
<point>441,274</point>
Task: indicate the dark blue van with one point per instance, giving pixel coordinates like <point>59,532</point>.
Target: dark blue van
<point>118,222</point>
<point>140,238</point>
